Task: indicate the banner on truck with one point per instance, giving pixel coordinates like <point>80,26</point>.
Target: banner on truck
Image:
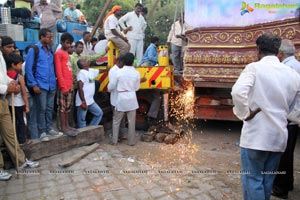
<point>203,13</point>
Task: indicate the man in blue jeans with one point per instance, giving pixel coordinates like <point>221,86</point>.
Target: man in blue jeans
<point>41,78</point>
<point>262,98</point>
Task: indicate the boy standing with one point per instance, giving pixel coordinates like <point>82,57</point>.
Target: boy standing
<point>64,75</point>
<point>14,65</point>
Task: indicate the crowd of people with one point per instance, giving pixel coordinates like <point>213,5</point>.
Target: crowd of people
<point>266,101</point>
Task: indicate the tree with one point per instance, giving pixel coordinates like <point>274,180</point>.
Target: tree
<point>158,24</point>
<point>92,8</point>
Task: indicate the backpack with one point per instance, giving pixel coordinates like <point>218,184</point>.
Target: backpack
<point>36,55</point>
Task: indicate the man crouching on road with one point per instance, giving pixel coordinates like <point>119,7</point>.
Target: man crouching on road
<point>262,97</point>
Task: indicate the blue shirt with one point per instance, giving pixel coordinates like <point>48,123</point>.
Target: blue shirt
<point>44,76</point>
<point>151,55</point>
<point>72,13</point>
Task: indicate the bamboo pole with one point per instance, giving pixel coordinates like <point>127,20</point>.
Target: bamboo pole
<point>14,131</point>
<point>97,24</point>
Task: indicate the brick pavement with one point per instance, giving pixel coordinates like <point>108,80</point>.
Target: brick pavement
<point>115,172</point>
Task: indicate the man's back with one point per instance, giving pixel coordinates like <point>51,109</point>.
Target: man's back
<point>265,85</point>
<point>128,82</point>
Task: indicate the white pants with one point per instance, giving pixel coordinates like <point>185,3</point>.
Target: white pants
<point>137,48</point>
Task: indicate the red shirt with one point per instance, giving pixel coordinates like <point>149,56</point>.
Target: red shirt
<point>63,70</point>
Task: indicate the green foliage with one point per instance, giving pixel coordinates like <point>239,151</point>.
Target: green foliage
<point>93,8</point>
<point>158,24</point>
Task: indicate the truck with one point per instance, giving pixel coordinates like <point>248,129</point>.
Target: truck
<point>222,43</point>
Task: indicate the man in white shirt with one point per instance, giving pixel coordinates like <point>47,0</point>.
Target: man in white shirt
<point>177,39</point>
<point>114,93</point>
<point>101,44</point>
<point>112,30</point>
<point>262,97</point>
<point>126,83</point>
<point>87,46</point>
<point>134,25</point>
<point>284,183</point>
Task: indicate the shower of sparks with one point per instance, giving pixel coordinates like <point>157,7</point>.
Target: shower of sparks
<point>173,157</point>
<point>169,163</point>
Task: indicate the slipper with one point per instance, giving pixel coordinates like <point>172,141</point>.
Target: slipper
<point>28,142</point>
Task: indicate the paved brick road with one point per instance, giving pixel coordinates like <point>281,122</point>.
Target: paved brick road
<point>206,169</point>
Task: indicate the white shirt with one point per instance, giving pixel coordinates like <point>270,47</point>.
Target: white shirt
<point>137,23</point>
<point>4,79</point>
<point>294,64</point>
<point>100,46</point>
<point>126,82</point>
<point>111,23</point>
<point>272,87</point>
<point>113,91</point>
<point>87,48</point>
<point>87,77</point>
<point>179,30</point>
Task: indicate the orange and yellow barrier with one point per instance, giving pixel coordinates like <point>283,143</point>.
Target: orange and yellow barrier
<point>158,77</point>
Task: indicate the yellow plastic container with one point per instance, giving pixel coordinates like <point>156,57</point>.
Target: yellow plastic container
<point>163,55</point>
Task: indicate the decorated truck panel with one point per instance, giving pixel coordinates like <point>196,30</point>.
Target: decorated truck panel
<point>219,49</point>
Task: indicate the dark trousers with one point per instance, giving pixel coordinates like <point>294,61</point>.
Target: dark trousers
<point>21,127</point>
<point>284,182</point>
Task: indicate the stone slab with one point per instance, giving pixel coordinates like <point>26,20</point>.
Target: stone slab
<point>87,135</point>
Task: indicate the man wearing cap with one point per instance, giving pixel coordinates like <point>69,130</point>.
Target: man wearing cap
<point>112,30</point>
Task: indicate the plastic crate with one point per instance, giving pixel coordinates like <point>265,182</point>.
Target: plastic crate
<point>31,35</point>
<point>12,30</point>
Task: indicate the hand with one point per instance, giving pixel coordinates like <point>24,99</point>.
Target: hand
<point>83,105</point>
<point>144,79</point>
<point>107,49</point>
<point>66,93</point>
<point>17,90</point>
<point>252,114</point>
<point>36,89</point>
<point>12,87</point>
<point>129,28</point>
<point>27,109</point>
<point>125,39</point>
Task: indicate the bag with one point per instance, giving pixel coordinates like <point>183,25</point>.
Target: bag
<point>36,55</point>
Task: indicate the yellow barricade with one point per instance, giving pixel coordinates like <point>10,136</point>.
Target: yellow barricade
<point>160,77</point>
